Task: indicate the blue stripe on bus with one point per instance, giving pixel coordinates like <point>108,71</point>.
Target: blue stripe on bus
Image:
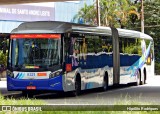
<point>89,85</point>
<point>21,77</point>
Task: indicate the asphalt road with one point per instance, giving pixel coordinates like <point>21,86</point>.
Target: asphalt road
<point>148,93</point>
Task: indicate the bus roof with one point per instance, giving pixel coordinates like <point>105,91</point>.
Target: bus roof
<point>107,31</point>
<point>45,27</point>
<point>63,27</point>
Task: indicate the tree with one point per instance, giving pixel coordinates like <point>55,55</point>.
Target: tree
<point>152,25</point>
<point>112,13</point>
<point>87,14</point>
<point>107,12</point>
<point>3,50</point>
<point>124,11</point>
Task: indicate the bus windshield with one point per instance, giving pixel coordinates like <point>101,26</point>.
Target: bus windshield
<point>34,52</point>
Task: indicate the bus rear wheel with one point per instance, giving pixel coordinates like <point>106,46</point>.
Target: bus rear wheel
<point>138,82</point>
<point>145,75</point>
<point>105,84</point>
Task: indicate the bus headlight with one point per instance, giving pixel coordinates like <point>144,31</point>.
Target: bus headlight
<point>54,74</point>
<point>9,73</point>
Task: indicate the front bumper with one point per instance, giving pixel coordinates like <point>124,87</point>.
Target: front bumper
<point>55,84</point>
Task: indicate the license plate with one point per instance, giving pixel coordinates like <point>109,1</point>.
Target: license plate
<point>31,87</point>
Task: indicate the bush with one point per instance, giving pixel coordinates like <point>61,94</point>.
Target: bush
<point>133,50</point>
<point>157,68</point>
<point>3,59</point>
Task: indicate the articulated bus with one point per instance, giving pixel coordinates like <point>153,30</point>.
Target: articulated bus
<point>67,57</point>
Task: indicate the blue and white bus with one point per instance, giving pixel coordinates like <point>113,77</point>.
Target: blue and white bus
<point>61,56</point>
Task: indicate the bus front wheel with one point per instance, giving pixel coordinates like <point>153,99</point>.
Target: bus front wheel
<point>77,90</point>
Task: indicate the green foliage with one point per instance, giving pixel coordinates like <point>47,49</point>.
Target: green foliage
<point>123,12</point>
<point>87,13</point>
<point>3,58</point>
<point>131,46</point>
<point>112,13</point>
<point>133,49</point>
<point>157,68</point>
<point>152,21</point>
<point>88,112</point>
<point>152,27</point>
<point>3,50</point>
<point>21,101</point>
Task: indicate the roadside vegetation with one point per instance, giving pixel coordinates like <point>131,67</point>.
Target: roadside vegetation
<point>21,101</point>
<point>3,51</point>
<point>88,112</point>
<point>128,101</point>
<point>157,68</point>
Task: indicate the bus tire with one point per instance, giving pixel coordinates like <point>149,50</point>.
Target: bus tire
<point>138,82</point>
<point>105,83</point>
<point>142,82</point>
<point>77,90</point>
<point>145,74</point>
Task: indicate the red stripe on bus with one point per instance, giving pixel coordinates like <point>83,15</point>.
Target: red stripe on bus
<point>16,36</point>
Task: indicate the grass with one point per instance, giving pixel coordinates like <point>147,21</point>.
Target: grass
<point>22,101</point>
<point>86,112</point>
<point>127,101</point>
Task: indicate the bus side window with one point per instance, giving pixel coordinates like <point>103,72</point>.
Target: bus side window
<point>106,44</point>
<point>97,44</point>
<point>90,44</point>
